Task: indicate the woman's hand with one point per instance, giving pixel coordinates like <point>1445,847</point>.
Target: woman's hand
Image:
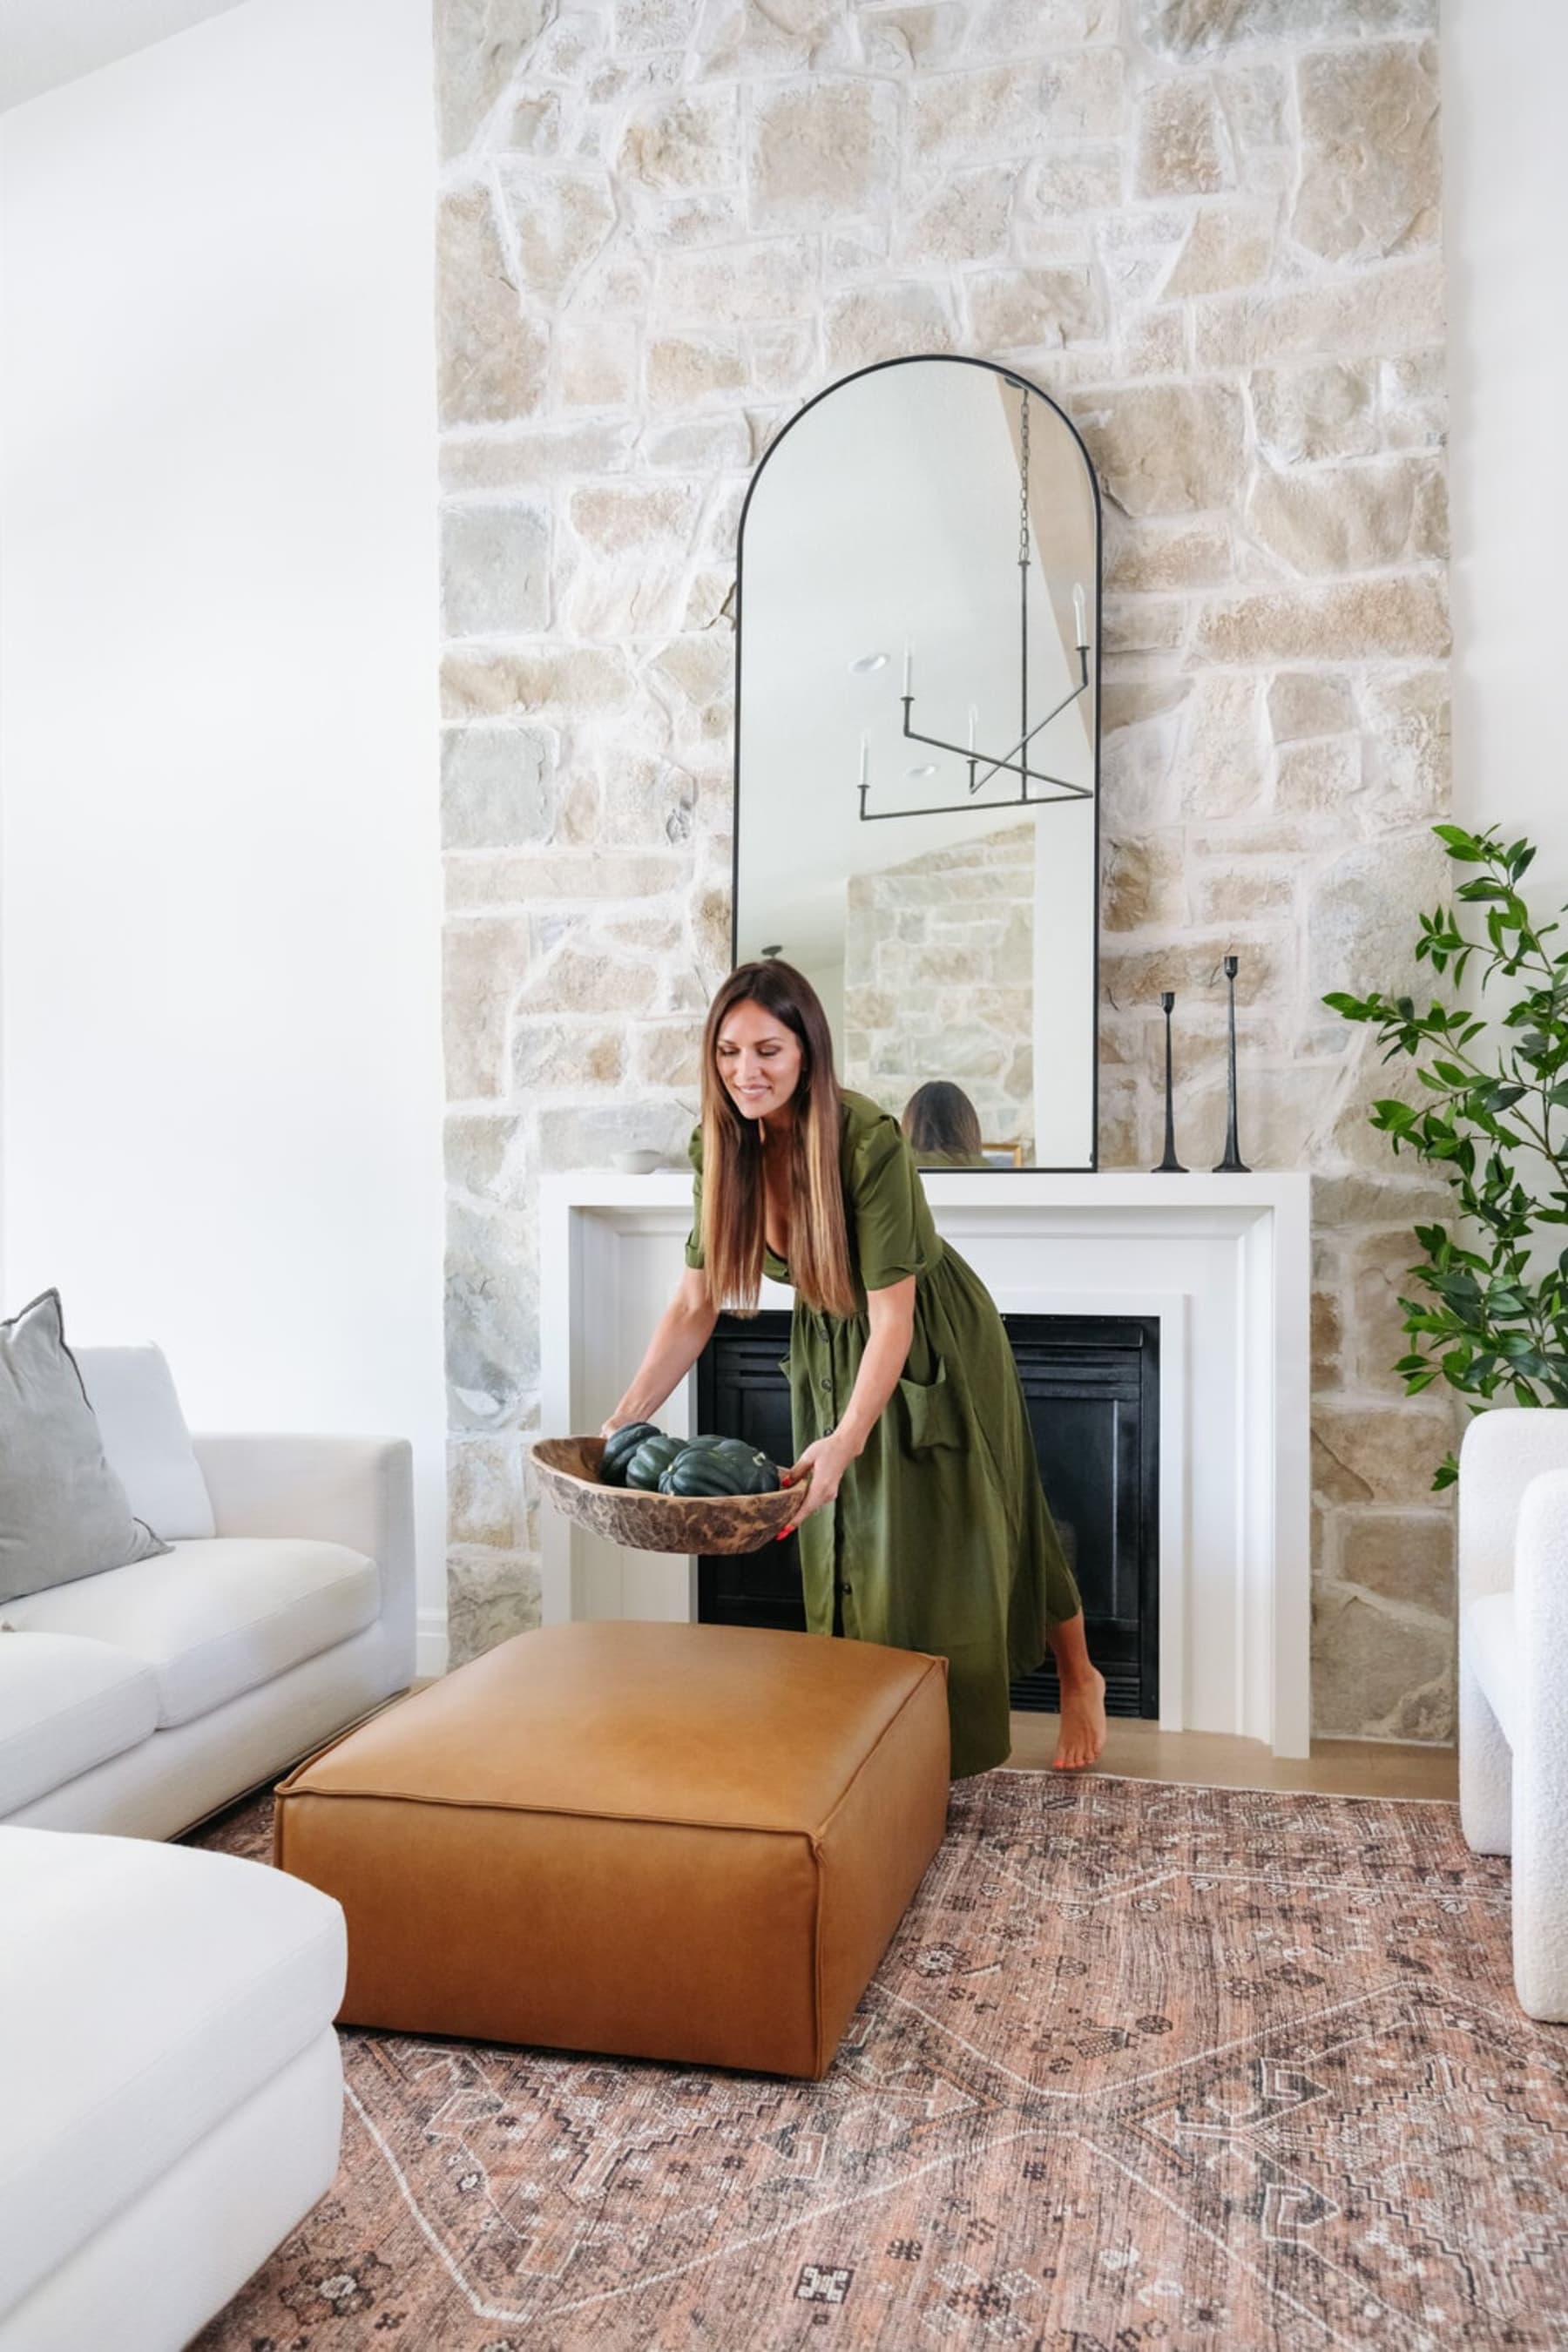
<point>824,1463</point>
<point>891,1315</point>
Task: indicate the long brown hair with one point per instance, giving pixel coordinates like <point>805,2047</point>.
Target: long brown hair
<point>734,1208</point>
<point>940,1117</point>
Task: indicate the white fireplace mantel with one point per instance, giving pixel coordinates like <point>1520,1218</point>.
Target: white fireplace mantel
<point>1224,1263</point>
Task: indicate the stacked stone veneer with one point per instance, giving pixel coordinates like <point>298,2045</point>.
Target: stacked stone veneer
<point>1210,228</point>
<point>939,980</point>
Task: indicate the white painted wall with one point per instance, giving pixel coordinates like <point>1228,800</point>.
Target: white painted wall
<point>219,897</point>
<point>1504,74</point>
<point>44,43</point>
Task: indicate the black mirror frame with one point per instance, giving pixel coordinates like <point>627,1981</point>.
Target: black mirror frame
<point>1024,384</point>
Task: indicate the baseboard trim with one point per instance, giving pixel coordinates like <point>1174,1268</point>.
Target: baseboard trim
<point>430,1643</point>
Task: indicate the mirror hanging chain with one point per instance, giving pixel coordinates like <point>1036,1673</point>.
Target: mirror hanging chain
<point>1015,760</point>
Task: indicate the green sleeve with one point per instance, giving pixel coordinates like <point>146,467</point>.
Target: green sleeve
<point>894,1235</point>
<point>694,1240</point>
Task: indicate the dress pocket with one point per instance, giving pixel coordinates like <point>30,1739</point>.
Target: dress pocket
<point>932,1414</point>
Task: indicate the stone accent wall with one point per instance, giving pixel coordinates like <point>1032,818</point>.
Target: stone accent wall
<point>1210,228</point>
<point>939,980</point>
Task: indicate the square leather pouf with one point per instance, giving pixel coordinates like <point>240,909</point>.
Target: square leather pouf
<point>677,1842</point>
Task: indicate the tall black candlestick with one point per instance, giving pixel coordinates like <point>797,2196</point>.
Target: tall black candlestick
<point>1170,1165</point>
<point>1233,1164</point>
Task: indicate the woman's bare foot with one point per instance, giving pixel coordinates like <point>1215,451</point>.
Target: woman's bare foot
<point>1083,1722</point>
<point>1083,1697</point>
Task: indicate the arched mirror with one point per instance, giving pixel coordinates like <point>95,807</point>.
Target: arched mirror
<point>917,750</point>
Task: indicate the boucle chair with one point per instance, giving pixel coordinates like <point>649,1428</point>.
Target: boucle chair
<point>1513,1679</point>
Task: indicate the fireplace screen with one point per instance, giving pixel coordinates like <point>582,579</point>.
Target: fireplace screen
<point>1091,1385</point>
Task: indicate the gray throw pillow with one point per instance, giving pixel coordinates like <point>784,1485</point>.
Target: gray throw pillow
<point>63,1512</point>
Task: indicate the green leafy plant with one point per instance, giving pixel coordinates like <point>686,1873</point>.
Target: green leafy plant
<point>1496,1319</point>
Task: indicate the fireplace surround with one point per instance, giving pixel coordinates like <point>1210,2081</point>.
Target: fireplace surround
<point>1218,1267</point>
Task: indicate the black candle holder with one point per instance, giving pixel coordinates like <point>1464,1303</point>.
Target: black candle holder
<point>1233,1164</point>
<point>1170,1165</point>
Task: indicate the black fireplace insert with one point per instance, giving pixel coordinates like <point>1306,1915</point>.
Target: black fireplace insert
<point>1091,1385</point>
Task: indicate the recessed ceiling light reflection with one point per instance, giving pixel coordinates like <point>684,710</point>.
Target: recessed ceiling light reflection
<point>918,775</point>
<point>864,663</point>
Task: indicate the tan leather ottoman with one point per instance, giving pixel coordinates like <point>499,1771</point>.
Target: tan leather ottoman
<point>680,1841</point>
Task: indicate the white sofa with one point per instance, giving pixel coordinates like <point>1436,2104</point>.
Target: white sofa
<point>171,2090</point>
<point>139,1700</point>
<point>1513,1679</point>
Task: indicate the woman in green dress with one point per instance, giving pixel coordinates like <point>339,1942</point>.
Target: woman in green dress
<point>923,1521</point>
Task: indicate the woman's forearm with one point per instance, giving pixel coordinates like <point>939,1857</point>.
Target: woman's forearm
<point>881,1369</point>
<point>682,1333</point>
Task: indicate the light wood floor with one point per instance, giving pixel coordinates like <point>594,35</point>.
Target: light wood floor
<point>1346,1768</point>
<point>1336,1767</point>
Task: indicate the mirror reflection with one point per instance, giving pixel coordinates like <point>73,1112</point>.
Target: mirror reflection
<point>916,754</point>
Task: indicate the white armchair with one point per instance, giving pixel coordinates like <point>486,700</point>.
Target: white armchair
<point>1513,1679</point>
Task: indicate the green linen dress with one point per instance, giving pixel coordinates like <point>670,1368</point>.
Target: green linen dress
<point>939,1540</point>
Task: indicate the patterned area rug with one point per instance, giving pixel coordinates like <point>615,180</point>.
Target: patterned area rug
<point>1200,2069</point>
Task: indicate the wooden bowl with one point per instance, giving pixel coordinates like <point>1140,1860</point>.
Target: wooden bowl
<point>569,1473</point>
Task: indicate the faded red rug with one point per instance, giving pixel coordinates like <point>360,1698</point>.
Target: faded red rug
<point>1200,2069</point>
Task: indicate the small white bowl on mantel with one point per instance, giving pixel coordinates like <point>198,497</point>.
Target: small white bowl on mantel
<point>637,1163</point>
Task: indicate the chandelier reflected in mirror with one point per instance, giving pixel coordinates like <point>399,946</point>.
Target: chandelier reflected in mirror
<point>982,767</point>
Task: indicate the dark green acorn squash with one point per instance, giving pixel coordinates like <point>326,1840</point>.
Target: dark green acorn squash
<point>696,1445</point>
<point>729,1468</point>
<point>651,1460</point>
<point>619,1449</point>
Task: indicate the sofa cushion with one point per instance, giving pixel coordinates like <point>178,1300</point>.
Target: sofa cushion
<point>63,1511</point>
<point>1487,1632</point>
<point>67,1704</point>
<point>152,1989</point>
<point>148,1446</point>
<point>218,1618</point>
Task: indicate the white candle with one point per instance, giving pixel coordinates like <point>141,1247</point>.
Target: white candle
<point>973,724</point>
<point>1078,616</point>
<point>865,759</point>
<point>908,664</point>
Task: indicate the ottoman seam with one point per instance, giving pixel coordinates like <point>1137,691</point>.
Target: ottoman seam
<point>561,1813</point>
<point>819,2020</point>
<point>818,2004</point>
<point>912,1693</point>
